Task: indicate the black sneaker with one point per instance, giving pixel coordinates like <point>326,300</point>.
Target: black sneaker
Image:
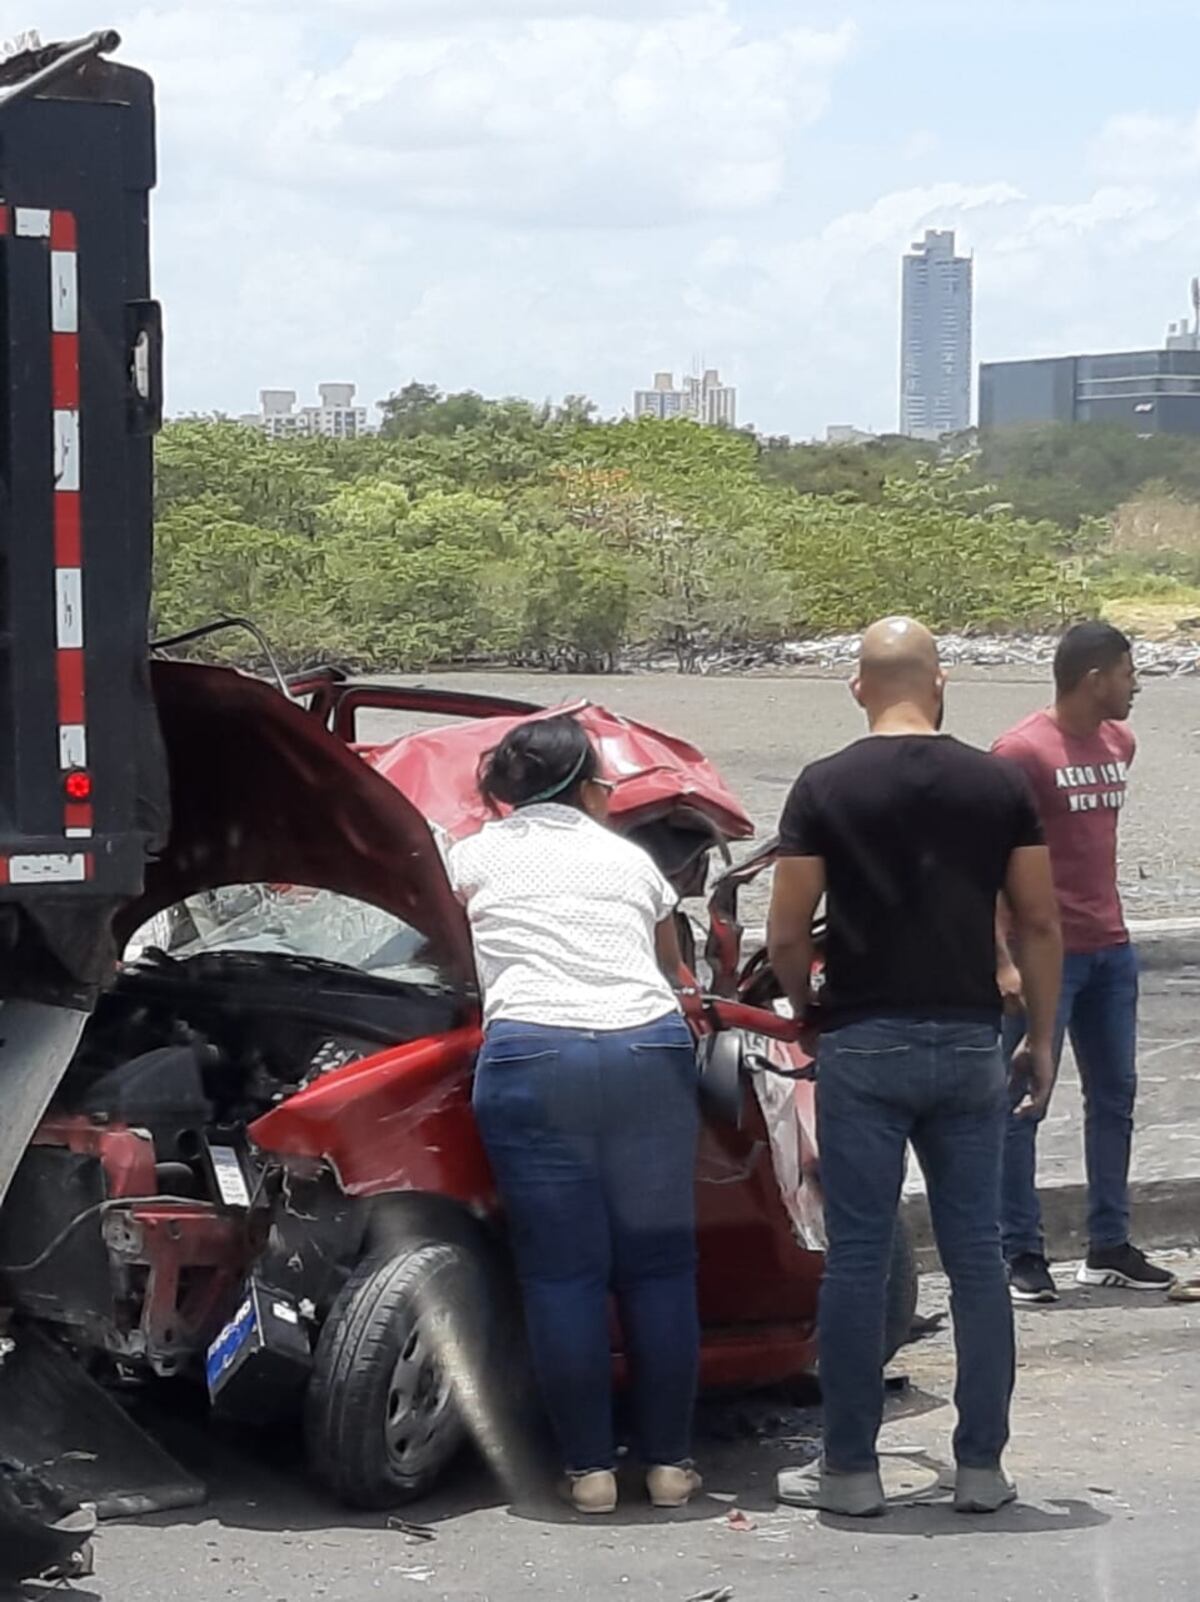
<point>1124,1268</point>
<point>1029,1279</point>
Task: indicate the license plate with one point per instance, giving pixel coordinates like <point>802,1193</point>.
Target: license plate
<point>230,1180</point>
<point>223,1353</point>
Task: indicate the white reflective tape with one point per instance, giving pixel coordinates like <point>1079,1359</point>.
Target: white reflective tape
<point>56,869</point>
<point>68,598</point>
<point>78,834</point>
<point>66,450</point>
<point>32,223</point>
<point>72,746</point>
<point>64,292</point>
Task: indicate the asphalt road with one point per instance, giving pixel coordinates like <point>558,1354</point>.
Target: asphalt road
<point>1104,1449</point>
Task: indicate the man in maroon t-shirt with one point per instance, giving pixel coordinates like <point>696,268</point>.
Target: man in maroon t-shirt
<point>1077,757</point>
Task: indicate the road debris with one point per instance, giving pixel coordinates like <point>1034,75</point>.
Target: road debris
<point>412,1533</point>
<point>720,1593</point>
<point>741,1522</point>
<point>1154,658</point>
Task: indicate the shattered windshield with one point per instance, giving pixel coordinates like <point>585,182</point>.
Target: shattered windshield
<point>292,921</point>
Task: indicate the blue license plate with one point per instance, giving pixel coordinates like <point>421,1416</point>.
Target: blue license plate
<point>223,1353</point>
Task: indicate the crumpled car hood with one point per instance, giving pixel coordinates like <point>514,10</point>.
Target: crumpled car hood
<point>262,793</point>
<point>657,776</point>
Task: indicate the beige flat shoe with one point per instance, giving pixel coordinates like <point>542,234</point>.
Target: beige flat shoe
<point>672,1487</point>
<point>591,1493</point>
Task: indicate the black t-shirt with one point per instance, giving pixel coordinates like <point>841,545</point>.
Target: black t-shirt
<point>915,832</point>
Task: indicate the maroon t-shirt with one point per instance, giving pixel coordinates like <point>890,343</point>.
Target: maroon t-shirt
<point>1079,783</point>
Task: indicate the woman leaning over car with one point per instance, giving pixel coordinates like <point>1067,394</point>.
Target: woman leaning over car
<point>586,1099</point>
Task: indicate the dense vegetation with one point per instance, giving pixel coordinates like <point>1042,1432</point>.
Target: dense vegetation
<point>473,529</point>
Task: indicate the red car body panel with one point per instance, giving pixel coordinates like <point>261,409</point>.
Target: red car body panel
<point>655,774</point>
<point>397,1121</point>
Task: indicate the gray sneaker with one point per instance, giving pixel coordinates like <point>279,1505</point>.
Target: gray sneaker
<point>854,1496</point>
<point>979,1490</point>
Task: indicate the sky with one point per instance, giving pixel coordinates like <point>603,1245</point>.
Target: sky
<point>545,197</point>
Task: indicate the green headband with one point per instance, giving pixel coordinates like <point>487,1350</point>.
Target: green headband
<point>560,787</point>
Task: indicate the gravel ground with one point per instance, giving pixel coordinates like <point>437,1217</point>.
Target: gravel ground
<point>761,729</point>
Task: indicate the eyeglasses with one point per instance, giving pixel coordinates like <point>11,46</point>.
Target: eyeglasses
<point>607,785</point>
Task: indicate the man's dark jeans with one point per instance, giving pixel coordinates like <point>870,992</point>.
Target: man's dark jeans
<point>592,1136</point>
<point>1098,1010</point>
<point>942,1086</point>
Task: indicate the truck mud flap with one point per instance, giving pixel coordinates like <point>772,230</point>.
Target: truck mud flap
<point>57,1423</point>
<point>36,1044</point>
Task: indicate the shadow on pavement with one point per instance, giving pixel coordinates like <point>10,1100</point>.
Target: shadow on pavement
<point>742,1441</point>
<point>934,1518</point>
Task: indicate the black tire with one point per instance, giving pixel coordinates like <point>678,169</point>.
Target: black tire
<point>381,1420</point>
<point>901,1293</point>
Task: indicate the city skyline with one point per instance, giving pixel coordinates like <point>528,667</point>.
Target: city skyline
<point>700,396</point>
<point>335,416</point>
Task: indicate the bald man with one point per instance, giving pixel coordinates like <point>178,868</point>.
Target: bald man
<point>910,836</point>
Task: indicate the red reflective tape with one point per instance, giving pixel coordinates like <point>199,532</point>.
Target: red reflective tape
<point>89,867</point>
<point>5,228</point>
<point>64,358</point>
<point>70,686</point>
<point>68,542</point>
<point>3,870</point>
<point>79,815</point>
<point>63,235</point>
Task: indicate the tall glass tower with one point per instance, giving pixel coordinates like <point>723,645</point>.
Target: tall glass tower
<point>935,341</point>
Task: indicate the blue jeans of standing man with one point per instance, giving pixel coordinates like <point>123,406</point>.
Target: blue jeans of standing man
<point>592,1137</point>
<point>1098,1010</point>
<point>942,1086</point>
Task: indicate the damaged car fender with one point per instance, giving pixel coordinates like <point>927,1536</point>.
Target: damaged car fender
<point>399,1121</point>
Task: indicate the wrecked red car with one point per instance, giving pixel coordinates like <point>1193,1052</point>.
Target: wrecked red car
<point>262,1162</point>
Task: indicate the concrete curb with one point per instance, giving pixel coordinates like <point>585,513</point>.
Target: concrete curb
<point>1167,943</point>
<point>1166,1215</point>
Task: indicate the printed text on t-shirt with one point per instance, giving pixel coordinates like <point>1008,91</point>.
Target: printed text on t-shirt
<point>1077,780</point>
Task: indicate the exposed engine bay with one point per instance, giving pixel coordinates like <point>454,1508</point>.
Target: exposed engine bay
<point>242,1005</point>
<point>208,1043</point>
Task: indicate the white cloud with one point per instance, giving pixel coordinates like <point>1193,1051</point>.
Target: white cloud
<point>1138,145</point>
<point>460,189</point>
<point>597,121</point>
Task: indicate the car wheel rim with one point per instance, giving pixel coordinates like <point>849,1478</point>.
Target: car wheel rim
<point>418,1408</point>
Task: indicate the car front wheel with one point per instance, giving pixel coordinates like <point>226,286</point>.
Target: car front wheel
<point>381,1419</point>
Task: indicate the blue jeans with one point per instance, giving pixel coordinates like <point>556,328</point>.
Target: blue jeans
<point>592,1137</point>
<point>942,1086</point>
<point>1099,1011</point>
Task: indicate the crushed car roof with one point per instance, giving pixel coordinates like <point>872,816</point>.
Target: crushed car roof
<point>657,775</point>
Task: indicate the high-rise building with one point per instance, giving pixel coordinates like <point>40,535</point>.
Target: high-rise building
<point>1147,391</point>
<point>702,398</point>
<point>935,341</point>
<point>336,417</point>
<point>663,401</point>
